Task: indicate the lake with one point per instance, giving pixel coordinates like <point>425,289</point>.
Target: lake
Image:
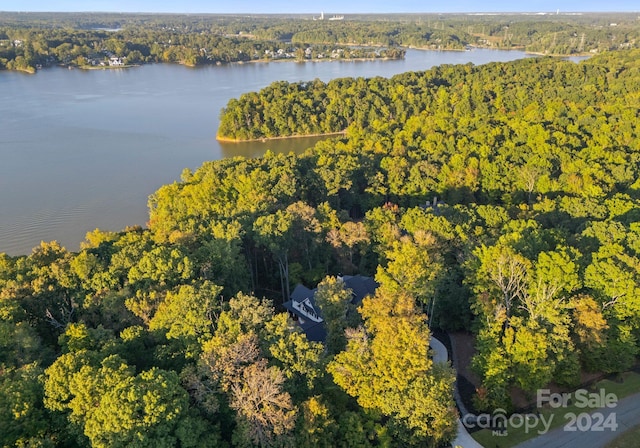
<point>83,149</point>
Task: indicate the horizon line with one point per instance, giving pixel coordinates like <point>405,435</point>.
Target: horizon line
<point>539,12</point>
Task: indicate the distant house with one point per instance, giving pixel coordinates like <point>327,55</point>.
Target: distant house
<point>308,314</point>
<point>115,61</point>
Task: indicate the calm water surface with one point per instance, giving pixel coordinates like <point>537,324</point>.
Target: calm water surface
<point>84,149</point>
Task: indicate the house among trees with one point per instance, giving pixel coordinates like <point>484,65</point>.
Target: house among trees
<point>308,314</point>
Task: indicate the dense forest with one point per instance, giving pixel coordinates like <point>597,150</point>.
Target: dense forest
<point>32,40</point>
<point>534,246</point>
<point>501,199</point>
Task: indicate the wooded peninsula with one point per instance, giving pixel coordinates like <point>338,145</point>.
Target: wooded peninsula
<point>499,201</point>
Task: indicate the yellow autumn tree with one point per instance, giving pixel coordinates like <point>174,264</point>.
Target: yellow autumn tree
<point>388,368</point>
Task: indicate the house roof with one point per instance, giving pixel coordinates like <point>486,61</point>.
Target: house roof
<point>301,299</point>
<point>303,304</point>
<point>361,286</point>
<point>315,332</point>
<point>300,292</point>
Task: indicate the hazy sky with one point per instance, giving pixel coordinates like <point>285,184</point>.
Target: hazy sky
<point>328,6</point>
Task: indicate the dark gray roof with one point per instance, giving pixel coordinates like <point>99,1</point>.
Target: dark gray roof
<point>301,292</point>
<point>315,331</point>
<point>360,286</point>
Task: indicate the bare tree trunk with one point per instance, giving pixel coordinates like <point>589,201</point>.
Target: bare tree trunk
<point>283,267</point>
<point>282,290</point>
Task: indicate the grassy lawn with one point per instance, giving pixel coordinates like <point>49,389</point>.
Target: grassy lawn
<point>630,385</point>
<point>629,438</point>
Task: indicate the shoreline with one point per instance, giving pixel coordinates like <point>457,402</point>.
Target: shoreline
<point>266,61</point>
<point>266,139</point>
<point>27,70</point>
<point>554,55</point>
<point>102,67</point>
<point>258,61</point>
<point>413,47</point>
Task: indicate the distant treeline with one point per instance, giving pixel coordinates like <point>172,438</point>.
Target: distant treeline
<point>30,40</point>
